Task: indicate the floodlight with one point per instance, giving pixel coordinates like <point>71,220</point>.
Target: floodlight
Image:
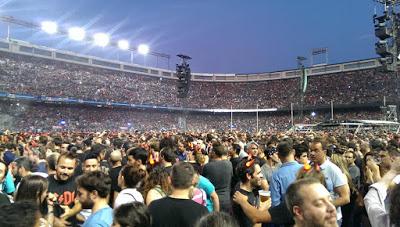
<point>123,44</point>
<point>49,27</point>
<point>143,49</point>
<point>101,39</point>
<point>76,33</point>
<point>313,114</point>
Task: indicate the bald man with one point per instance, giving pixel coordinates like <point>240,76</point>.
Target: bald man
<point>116,165</point>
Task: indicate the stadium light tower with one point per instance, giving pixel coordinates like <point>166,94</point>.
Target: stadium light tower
<point>123,44</point>
<point>143,49</point>
<point>49,27</point>
<point>76,33</point>
<point>101,39</point>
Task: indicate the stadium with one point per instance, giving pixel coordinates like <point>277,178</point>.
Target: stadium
<point>87,86</point>
<point>98,129</point>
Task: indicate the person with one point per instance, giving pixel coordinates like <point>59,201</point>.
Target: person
<point>168,158</point>
<point>156,186</point>
<point>116,166</point>
<point>19,214</point>
<point>336,182</point>
<point>219,171</point>
<point>217,219</point>
<point>90,163</point>
<point>249,172</point>
<point>280,214</point>
<point>310,204</point>
<point>35,188</point>
<point>93,189</point>
<point>3,173</point>
<point>394,212</point>
<point>272,163</point>
<point>212,201</point>
<point>178,209</point>
<point>129,180</point>
<point>62,185</point>
<point>354,171</point>
<point>374,200</point>
<point>285,174</point>
<point>133,214</point>
<point>301,154</point>
<point>138,155</point>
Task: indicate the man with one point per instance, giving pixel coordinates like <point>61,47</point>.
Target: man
<point>251,149</point>
<point>285,175</point>
<point>376,200</point>
<point>301,154</point>
<point>93,191</point>
<point>249,172</point>
<point>62,184</point>
<point>91,163</point>
<point>138,155</point>
<point>272,164</point>
<point>219,171</point>
<point>168,158</point>
<point>20,214</point>
<point>178,209</point>
<point>116,166</point>
<point>335,180</point>
<point>350,157</point>
<point>310,204</point>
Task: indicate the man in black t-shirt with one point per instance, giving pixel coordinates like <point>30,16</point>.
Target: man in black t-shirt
<point>249,173</point>
<point>219,171</point>
<point>116,166</point>
<point>177,209</point>
<point>62,184</point>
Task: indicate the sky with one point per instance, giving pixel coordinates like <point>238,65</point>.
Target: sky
<point>221,36</point>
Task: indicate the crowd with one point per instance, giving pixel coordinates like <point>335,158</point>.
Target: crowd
<point>44,77</point>
<point>228,179</point>
<point>34,117</point>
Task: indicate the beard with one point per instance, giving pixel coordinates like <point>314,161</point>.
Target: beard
<point>87,204</point>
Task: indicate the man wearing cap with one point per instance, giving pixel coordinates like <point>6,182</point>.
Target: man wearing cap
<point>272,164</point>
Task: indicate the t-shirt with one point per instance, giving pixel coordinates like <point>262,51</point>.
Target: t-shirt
<point>280,215</point>
<point>209,188</point>
<point>175,212</point>
<point>102,218</point>
<point>220,173</point>
<point>114,172</point>
<point>334,178</point>
<point>128,195</point>
<point>238,212</point>
<point>65,192</point>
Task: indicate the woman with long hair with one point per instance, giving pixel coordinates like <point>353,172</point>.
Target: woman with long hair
<point>34,188</point>
<point>157,185</point>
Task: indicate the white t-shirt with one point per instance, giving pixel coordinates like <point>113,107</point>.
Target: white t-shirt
<point>128,195</point>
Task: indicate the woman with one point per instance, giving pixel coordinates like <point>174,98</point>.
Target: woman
<point>129,179</point>
<point>34,188</point>
<point>156,186</point>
